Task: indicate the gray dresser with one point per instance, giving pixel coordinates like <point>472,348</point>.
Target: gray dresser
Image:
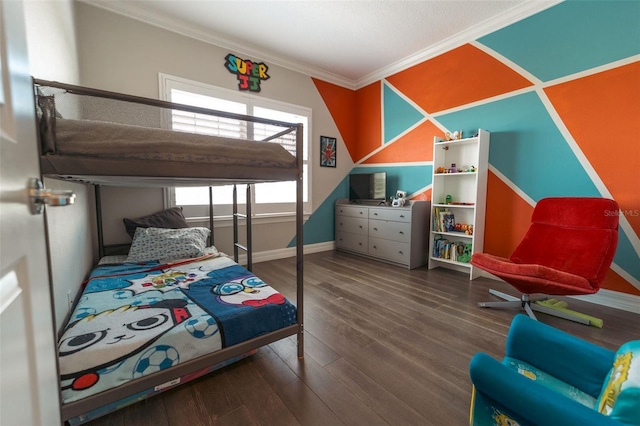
<point>393,234</point>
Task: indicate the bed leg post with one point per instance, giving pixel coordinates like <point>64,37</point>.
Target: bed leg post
<point>211,235</point>
<point>235,223</point>
<point>300,242</point>
<point>249,227</point>
<point>300,341</point>
<point>98,201</point>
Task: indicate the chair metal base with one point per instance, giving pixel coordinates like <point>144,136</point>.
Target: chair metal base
<point>525,302</point>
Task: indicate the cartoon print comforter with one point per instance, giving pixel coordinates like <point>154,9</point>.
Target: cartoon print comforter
<point>136,319</point>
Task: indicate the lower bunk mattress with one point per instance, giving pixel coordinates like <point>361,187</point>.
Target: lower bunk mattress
<point>136,319</point>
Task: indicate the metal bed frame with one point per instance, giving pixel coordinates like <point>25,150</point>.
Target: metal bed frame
<point>139,389</point>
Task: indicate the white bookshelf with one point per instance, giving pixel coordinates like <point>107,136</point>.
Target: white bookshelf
<point>468,191</point>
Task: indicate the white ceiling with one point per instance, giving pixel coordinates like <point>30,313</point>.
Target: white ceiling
<point>351,43</point>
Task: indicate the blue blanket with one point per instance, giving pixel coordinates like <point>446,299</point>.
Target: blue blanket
<point>136,319</point>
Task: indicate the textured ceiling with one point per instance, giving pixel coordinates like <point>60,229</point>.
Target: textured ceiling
<point>346,41</point>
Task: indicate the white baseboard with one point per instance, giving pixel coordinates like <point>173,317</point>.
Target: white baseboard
<point>613,299</point>
<point>265,256</point>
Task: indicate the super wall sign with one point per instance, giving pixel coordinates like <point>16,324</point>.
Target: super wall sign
<point>250,74</point>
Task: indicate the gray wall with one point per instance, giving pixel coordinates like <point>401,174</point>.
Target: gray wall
<point>53,56</point>
<point>121,54</point>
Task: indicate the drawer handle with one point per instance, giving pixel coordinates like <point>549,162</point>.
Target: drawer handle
<point>401,233</point>
<point>401,215</point>
<point>360,226</point>
<point>359,244</point>
<point>375,214</point>
<point>375,247</point>
<point>400,251</point>
<point>375,229</point>
<point>360,212</point>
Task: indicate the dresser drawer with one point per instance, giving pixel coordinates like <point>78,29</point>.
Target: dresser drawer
<point>354,225</point>
<point>397,231</point>
<point>390,213</point>
<point>353,211</point>
<point>392,250</point>
<point>353,242</point>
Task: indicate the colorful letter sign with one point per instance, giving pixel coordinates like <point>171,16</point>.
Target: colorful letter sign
<point>249,73</point>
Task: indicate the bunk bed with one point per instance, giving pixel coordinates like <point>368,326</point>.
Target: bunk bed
<point>102,138</point>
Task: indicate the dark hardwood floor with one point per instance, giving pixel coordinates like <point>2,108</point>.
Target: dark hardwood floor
<point>383,346</point>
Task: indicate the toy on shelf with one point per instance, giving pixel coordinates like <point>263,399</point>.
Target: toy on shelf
<point>449,136</point>
<point>455,169</point>
<point>465,257</point>
<point>400,199</point>
<point>463,227</point>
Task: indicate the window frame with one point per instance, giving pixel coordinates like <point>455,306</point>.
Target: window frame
<point>284,211</point>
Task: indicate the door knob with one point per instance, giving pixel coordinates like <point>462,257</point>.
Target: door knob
<point>39,196</point>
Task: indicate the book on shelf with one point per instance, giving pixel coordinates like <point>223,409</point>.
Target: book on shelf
<point>441,225</point>
<point>443,220</point>
<point>449,222</point>
<point>451,250</point>
<point>435,219</point>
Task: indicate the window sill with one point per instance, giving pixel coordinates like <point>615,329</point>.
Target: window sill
<point>256,219</point>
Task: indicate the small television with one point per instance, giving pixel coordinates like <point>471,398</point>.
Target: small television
<point>368,187</point>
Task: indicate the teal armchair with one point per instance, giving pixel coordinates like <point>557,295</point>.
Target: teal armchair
<point>549,377</point>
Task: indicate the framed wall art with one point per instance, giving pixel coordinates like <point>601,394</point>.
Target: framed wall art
<point>327,151</point>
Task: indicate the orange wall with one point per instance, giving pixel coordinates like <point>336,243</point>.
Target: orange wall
<point>561,125</point>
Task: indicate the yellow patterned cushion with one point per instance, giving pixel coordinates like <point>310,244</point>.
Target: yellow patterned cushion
<point>620,396</point>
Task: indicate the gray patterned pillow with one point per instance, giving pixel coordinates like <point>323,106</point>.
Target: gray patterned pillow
<point>169,218</point>
<point>165,244</point>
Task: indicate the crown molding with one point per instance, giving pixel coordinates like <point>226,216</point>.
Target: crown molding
<point>522,11</point>
<point>131,10</point>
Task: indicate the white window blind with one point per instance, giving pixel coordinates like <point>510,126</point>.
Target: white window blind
<point>207,124</point>
<point>268,198</point>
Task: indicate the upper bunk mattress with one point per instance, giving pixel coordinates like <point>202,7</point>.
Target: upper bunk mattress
<point>86,147</point>
<point>121,141</point>
<point>86,133</point>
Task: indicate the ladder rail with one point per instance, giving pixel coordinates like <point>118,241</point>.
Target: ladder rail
<point>248,248</point>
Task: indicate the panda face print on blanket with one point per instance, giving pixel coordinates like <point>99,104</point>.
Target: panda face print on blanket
<point>96,342</point>
<point>247,291</point>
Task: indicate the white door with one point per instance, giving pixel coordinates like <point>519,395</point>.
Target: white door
<point>29,392</point>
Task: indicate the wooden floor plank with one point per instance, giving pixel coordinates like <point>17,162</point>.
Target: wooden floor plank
<point>216,393</point>
<point>306,406</point>
<point>333,393</point>
<point>260,398</point>
<point>185,402</point>
<point>317,350</point>
<point>274,370</point>
<point>238,417</point>
<point>379,399</point>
